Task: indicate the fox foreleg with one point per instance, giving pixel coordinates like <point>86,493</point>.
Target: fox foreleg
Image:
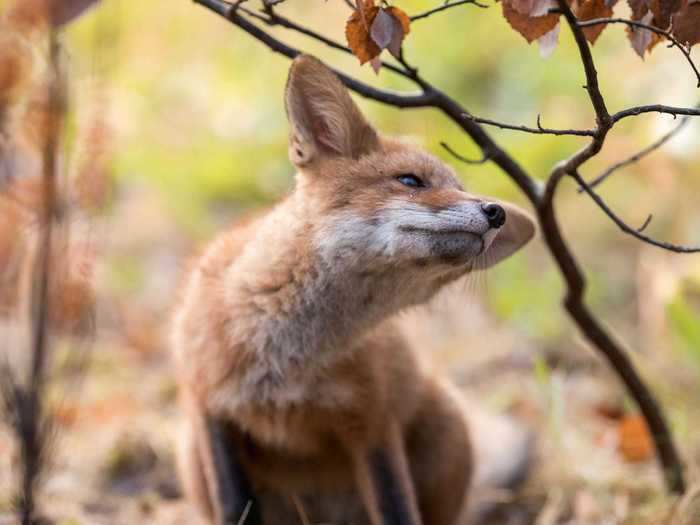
<point>230,491</point>
<point>385,483</point>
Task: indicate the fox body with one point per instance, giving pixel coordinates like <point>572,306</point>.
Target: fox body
<point>301,397</point>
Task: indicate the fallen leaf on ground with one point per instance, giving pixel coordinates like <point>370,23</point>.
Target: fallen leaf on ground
<point>634,440</point>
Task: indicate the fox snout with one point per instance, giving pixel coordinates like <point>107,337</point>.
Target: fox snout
<point>457,233</point>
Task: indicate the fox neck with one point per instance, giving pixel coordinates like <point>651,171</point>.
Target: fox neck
<point>304,304</point>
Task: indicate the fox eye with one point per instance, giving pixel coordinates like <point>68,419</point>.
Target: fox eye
<point>410,180</point>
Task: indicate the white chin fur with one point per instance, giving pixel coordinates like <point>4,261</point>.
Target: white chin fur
<point>385,234</point>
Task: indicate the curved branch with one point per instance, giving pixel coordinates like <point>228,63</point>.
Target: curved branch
<point>447,5</point>
<point>275,19</point>
<point>408,100</point>
<point>461,158</point>
<point>592,87</point>
<point>625,227</point>
<point>655,108</point>
<point>539,130</point>
<point>637,156</point>
<point>641,25</point>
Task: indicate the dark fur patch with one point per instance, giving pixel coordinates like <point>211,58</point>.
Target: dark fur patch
<point>233,491</point>
<point>393,506</point>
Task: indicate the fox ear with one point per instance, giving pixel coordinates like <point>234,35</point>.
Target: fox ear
<point>324,119</point>
<point>517,231</point>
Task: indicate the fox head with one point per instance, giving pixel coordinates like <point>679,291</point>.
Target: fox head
<point>379,202</point>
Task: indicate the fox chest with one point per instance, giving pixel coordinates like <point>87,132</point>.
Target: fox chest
<point>300,410</point>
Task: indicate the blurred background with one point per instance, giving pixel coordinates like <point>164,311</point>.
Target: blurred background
<point>194,132</point>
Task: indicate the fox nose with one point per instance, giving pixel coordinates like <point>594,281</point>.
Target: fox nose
<point>495,214</point>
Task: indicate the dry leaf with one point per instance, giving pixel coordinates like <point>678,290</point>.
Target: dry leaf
<point>93,182</point>
<point>402,17</point>
<point>376,64</point>
<point>548,42</point>
<point>31,15</point>
<point>531,28</point>
<point>589,10</point>
<point>642,40</point>
<point>371,29</point>
<point>383,29</point>
<point>16,64</point>
<point>634,440</point>
<point>533,8</point>
<point>357,31</point>
<point>686,24</point>
<point>400,30</point>
<point>663,10</point>
<point>639,8</point>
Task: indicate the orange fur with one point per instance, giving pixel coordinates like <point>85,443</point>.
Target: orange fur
<point>285,327</point>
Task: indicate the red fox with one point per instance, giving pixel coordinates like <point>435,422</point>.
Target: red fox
<point>303,403</point>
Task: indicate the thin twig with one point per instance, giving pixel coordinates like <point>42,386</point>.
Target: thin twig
<point>539,130</point>
<point>639,155</point>
<point>592,86</point>
<point>402,100</point>
<point>275,19</point>
<point>483,160</point>
<point>445,6</point>
<point>654,108</point>
<point>678,248</point>
<point>641,25</point>
<point>646,223</point>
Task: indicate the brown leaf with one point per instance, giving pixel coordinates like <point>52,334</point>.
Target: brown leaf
<point>400,31</point>
<point>16,64</point>
<point>93,182</point>
<point>402,17</point>
<point>66,11</point>
<point>548,43</point>
<point>533,8</point>
<point>357,31</point>
<point>663,10</point>
<point>686,24</point>
<point>29,15</point>
<point>590,9</point>
<point>531,28</point>
<point>639,8</point>
<point>634,440</point>
<point>383,29</point>
<point>643,40</point>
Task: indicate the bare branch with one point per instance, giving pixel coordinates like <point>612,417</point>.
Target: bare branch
<point>400,100</point>
<point>625,227</point>
<point>654,108</point>
<point>639,155</point>
<point>539,130</point>
<point>445,6</point>
<point>272,18</point>
<point>666,34</point>
<point>603,120</point>
<point>461,158</point>
<point>646,223</point>
<point>592,87</point>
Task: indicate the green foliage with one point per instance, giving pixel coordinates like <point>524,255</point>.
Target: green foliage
<point>530,301</point>
<point>686,328</point>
